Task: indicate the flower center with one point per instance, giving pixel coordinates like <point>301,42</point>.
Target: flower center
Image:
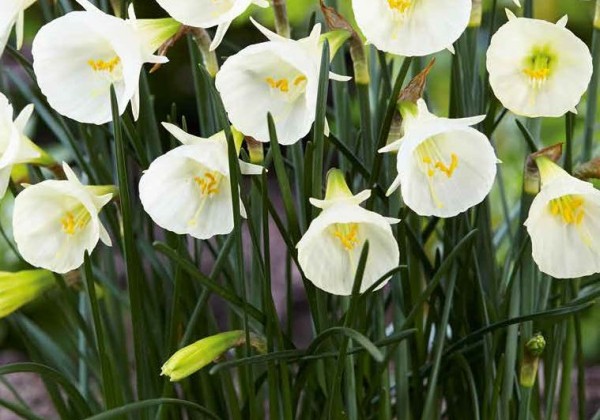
<point>347,234</point>
<point>101,65</point>
<point>431,160</point>
<point>75,221</point>
<point>400,6</point>
<point>538,66</point>
<point>569,208</point>
<point>208,183</point>
<point>290,89</point>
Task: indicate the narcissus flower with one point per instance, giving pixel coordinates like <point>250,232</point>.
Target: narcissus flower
<point>12,12</point>
<point>444,165</point>
<point>15,147</point>
<point>537,68</point>
<point>280,76</point>
<point>55,222</point>
<point>209,13</point>
<point>330,250</point>
<point>19,289</point>
<point>563,224</point>
<point>78,56</point>
<point>188,190</point>
<point>194,357</point>
<point>412,27</point>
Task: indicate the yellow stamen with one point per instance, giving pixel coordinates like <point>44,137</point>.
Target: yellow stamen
<point>101,65</point>
<point>281,84</point>
<point>347,233</point>
<point>400,6</point>
<point>431,161</point>
<point>73,222</point>
<point>570,208</point>
<point>208,183</point>
<point>299,79</point>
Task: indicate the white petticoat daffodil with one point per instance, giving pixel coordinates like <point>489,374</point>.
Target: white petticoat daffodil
<point>330,249</point>
<point>444,166</point>
<point>537,68</point>
<point>78,56</point>
<point>15,147</point>
<point>188,190</point>
<point>209,13</point>
<point>412,28</point>
<point>280,76</point>
<point>56,222</point>
<point>564,225</point>
<point>12,12</point>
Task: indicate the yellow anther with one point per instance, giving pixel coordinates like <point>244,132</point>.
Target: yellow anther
<point>73,222</point>
<point>539,75</point>
<point>570,208</point>
<point>208,183</point>
<point>281,84</point>
<point>439,165</point>
<point>347,233</point>
<point>299,79</point>
<point>101,65</point>
<point>400,5</point>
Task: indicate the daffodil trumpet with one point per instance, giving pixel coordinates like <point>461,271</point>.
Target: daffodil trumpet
<point>188,189</point>
<point>444,165</point>
<point>330,250</point>
<point>562,224</point>
<point>56,221</point>
<point>538,68</point>
<point>280,77</point>
<point>79,56</point>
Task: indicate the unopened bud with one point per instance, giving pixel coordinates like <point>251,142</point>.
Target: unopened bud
<point>19,289</point>
<point>196,356</point>
<point>531,359</point>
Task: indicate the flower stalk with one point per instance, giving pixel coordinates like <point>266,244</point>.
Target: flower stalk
<point>209,57</point>
<point>282,23</point>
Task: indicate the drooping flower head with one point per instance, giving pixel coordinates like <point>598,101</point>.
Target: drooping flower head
<point>279,76</point>
<point>412,27</point>
<point>12,12</point>
<point>15,147</point>
<point>444,166</point>
<point>78,56</point>
<point>209,13</point>
<point>56,222</point>
<point>188,190</point>
<point>537,68</point>
<point>564,224</point>
<point>19,289</point>
<point>330,249</point>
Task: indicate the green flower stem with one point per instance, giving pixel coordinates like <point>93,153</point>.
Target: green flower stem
<point>592,97</point>
<point>209,57</point>
<point>282,24</point>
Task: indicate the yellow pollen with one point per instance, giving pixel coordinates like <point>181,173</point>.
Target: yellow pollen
<point>208,183</point>
<point>347,233</point>
<point>569,208</point>
<point>101,65</point>
<point>299,79</point>
<point>281,84</point>
<point>537,75</point>
<point>71,223</point>
<point>441,166</point>
<point>400,5</point>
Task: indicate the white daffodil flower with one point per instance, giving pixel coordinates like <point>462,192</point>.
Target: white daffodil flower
<point>537,68</point>
<point>564,224</point>
<point>412,28</point>
<point>330,249</point>
<point>280,76</point>
<point>15,147</point>
<point>56,222</point>
<point>188,190</point>
<point>78,56</point>
<point>209,13</point>
<point>444,166</point>
<point>12,12</point>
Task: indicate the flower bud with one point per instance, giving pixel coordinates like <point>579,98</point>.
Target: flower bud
<point>476,12</point>
<point>194,357</point>
<point>529,366</point>
<point>19,289</point>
